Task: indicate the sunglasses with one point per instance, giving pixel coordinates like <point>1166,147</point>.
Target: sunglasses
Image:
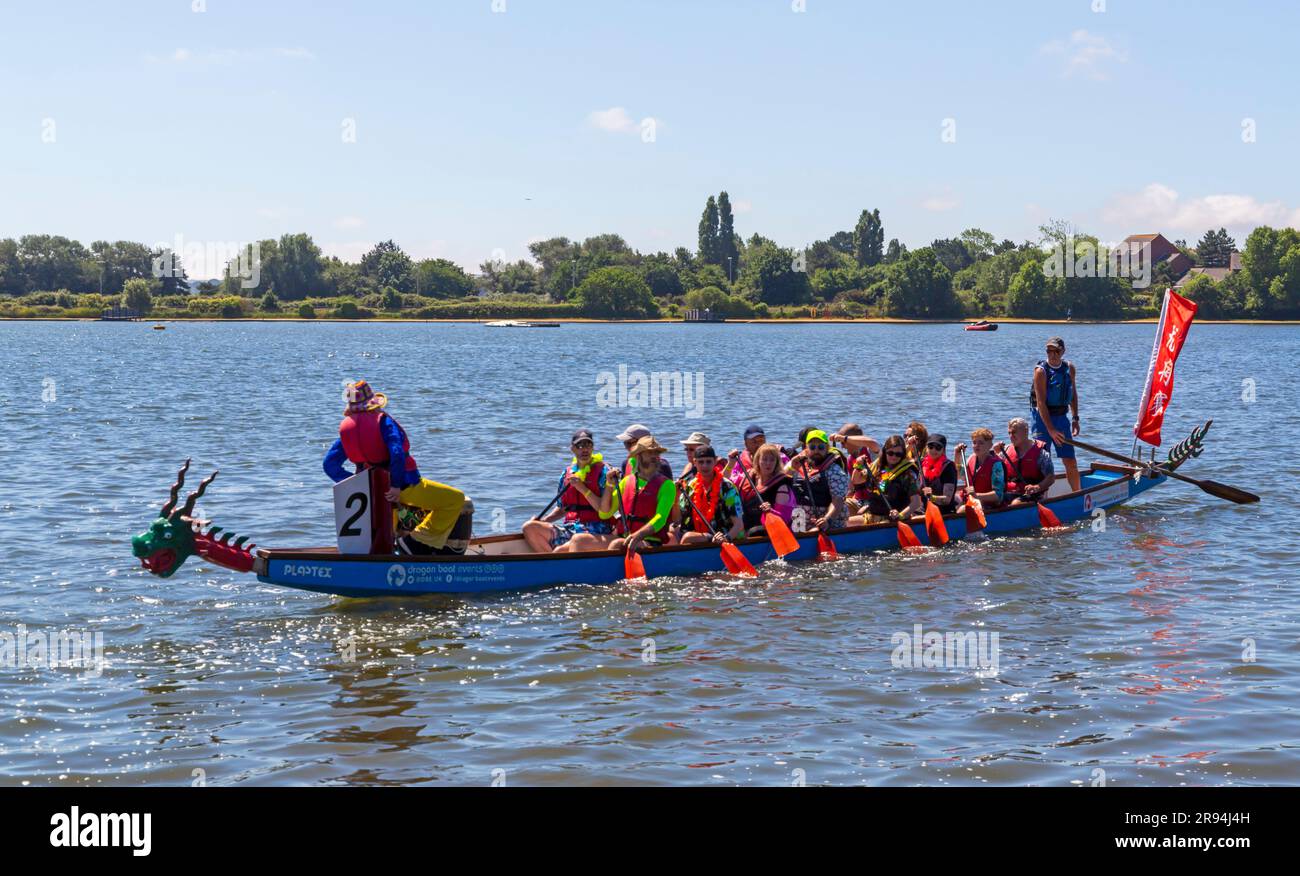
<point>934,447</point>
<point>893,453</point>
<point>584,444</point>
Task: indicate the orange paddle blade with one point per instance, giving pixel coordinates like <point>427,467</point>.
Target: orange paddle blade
<point>783,540</point>
<point>826,548</point>
<point>1047,518</point>
<point>934,525</point>
<point>633,568</point>
<point>735,561</point>
<point>906,537</point>
<point>975,516</point>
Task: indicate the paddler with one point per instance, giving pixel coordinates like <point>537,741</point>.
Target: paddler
<point>690,444</point>
<point>646,502</point>
<point>1030,473</point>
<point>368,438</point>
<point>709,504</point>
<point>583,487</point>
<point>1054,392</point>
<point>939,475</point>
<point>821,481</point>
<point>893,485</point>
<point>986,475</point>
<point>741,461</point>
<point>630,436</point>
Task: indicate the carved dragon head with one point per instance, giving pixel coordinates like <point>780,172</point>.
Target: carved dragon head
<point>177,535</point>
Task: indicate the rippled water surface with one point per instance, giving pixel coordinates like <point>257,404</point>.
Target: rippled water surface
<point>1126,650</point>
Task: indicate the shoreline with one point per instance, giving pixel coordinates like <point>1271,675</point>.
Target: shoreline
<point>580,321</point>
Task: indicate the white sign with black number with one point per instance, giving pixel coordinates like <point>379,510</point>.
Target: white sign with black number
<point>352,514</point>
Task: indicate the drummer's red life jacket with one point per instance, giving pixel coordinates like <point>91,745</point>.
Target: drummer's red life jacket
<point>364,443</point>
<point>576,507</point>
<point>1018,476</point>
<point>639,506</point>
<point>981,480</point>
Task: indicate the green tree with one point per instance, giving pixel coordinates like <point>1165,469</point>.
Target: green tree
<point>769,276</point>
<point>306,311</point>
<point>728,249</point>
<point>920,286</point>
<point>662,278</point>
<point>710,245</point>
<point>1030,294</point>
<point>952,254</point>
<point>440,278</point>
<point>137,295</point>
<point>842,241</point>
<point>896,252</point>
<point>616,292</point>
<point>979,243</point>
<point>1215,248</point>
<point>50,261</point>
<point>869,239</point>
<point>388,265</point>
<point>11,273</point>
<point>708,298</point>
<point>270,303</point>
<point>1206,293</point>
<point>296,268</point>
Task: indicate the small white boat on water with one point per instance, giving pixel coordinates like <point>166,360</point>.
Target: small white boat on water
<point>519,323</point>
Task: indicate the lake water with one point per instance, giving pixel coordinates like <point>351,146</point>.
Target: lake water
<point>1162,650</point>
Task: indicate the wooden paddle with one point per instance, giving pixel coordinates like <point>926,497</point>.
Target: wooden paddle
<point>1214,488</point>
<point>542,514</point>
<point>826,548</point>
<point>975,520</point>
<point>732,558</point>
<point>633,567</point>
<point>906,537</point>
<point>934,525</point>
<point>783,540</point>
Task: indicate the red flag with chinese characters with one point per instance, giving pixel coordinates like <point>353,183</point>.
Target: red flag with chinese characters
<point>1175,320</point>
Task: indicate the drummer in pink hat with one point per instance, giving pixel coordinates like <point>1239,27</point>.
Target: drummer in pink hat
<point>369,437</point>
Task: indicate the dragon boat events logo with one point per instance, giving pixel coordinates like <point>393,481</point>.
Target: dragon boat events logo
<point>663,390</point>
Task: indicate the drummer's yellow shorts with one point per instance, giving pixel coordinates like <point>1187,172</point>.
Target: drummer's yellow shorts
<point>444,505</point>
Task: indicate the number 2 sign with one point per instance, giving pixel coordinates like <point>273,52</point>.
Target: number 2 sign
<point>352,505</point>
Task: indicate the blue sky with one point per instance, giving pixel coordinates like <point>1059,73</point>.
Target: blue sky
<point>479,131</point>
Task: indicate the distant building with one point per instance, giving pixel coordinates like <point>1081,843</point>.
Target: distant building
<point>1162,250</point>
<point>1218,275</point>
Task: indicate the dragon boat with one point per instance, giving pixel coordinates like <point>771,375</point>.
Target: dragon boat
<point>504,562</point>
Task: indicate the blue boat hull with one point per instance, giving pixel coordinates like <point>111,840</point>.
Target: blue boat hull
<point>363,576</point>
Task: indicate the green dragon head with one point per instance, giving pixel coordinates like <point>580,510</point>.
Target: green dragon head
<point>169,541</point>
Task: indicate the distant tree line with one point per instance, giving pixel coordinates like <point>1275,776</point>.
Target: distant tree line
<point>851,273</point>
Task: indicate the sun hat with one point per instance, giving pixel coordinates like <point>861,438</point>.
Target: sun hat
<point>698,438</point>
<point>647,444</point>
<point>816,435</point>
<point>361,398</point>
<point>582,435</point>
<point>633,432</point>
<point>1057,343</point>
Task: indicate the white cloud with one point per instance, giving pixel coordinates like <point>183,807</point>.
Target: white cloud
<point>1159,208</point>
<point>297,53</point>
<point>1086,54</point>
<point>941,203</point>
<point>742,206</point>
<point>217,57</point>
<point>348,222</point>
<point>615,120</point>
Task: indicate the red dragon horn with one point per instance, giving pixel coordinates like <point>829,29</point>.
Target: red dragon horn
<point>176,489</point>
<point>194,496</point>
